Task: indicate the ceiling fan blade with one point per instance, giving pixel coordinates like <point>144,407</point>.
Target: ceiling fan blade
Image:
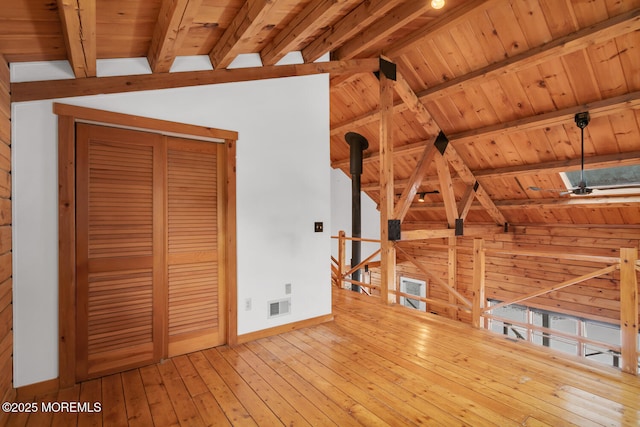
<point>618,187</point>
<point>553,190</point>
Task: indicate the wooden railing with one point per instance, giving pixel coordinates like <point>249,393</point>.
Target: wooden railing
<point>627,263</point>
<point>341,271</point>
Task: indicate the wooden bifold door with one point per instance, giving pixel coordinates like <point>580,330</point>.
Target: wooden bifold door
<point>149,252</point>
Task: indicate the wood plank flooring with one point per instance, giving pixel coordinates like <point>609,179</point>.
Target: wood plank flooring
<point>372,366</point>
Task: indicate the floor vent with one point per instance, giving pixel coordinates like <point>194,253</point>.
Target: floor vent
<point>279,307</point>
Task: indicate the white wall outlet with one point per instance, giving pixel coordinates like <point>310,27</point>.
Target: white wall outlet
<point>287,288</point>
<point>247,304</point>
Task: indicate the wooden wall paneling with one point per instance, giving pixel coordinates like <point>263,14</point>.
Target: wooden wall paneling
<point>7,391</point>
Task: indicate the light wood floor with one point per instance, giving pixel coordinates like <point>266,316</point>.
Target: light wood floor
<point>371,366</point>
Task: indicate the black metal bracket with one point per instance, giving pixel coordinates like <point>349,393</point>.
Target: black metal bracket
<point>476,186</point>
<point>459,227</point>
<point>388,69</point>
<point>394,230</point>
<point>441,142</point>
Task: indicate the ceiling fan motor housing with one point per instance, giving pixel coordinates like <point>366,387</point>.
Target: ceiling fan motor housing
<point>582,119</point>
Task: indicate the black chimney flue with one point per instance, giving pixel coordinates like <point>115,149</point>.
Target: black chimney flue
<point>358,144</point>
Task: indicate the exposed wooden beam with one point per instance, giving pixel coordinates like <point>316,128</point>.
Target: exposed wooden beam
<point>569,202</point>
<point>438,233</point>
<point>591,35</point>
<point>590,202</point>
<point>606,30</point>
<point>251,17</point>
<point>631,158</point>
<point>31,91</point>
<point>413,183</point>
<point>78,18</point>
<point>594,162</point>
<point>387,194</point>
<point>446,190</point>
<point>600,108</point>
<point>466,201</point>
<point>317,14</point>
<point>427,234</point>
<point>359,18</point>
<point>171,29</point>
<point>416,106</point>
<point>381,29</point>
<point>450,154</point>
<point>374,157</point>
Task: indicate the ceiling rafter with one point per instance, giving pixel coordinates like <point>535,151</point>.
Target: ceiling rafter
<point>356,20</point>
<point>600,108</point>
<point>317,14</point>
<point>172,27</point>
<point>593,34</point>
<point>450,154</point>
<point>78,19</point>
<point>587,202</point>
<point>394,20</point>
<point>617,26</point>
<point>251,17</point>
<point>446,21</point>
<point>631,158</point>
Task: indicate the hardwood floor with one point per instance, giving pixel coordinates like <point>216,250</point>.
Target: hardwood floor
<point>371,366</point>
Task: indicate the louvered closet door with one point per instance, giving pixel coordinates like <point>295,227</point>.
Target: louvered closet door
<point>120,249</point>
<point>196,297</point>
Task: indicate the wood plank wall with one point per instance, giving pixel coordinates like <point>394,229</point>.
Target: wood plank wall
<point>510,276</point>
<point>6,309</point>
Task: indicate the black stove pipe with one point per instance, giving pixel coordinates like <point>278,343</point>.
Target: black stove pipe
<point>358,144</point>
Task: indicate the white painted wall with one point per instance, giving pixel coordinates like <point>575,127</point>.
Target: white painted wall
<point>283,187</point>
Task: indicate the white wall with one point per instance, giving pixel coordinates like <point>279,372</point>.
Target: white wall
<point>283,187</point>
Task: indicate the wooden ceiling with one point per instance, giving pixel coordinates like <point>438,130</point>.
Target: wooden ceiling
<point>502,79</point>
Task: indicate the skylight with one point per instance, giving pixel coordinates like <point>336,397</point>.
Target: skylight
<point>622,176</point>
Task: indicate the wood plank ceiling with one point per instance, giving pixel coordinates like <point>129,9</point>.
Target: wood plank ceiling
<point>501,78</point>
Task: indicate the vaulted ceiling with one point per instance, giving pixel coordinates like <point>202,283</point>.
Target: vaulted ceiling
<point>502,79</point>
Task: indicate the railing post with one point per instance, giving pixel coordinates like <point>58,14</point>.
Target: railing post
<point>478,281</point>
<point>629,310</point>
<point>342,250</point>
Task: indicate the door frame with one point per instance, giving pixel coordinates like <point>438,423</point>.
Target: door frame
<point>68,116</point>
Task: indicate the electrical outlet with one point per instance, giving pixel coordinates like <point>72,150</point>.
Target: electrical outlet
<point>318,227</point>
<point>287,288</point>
<point>247,304</point>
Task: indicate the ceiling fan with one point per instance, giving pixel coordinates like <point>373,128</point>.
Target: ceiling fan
<point>582,120</point>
